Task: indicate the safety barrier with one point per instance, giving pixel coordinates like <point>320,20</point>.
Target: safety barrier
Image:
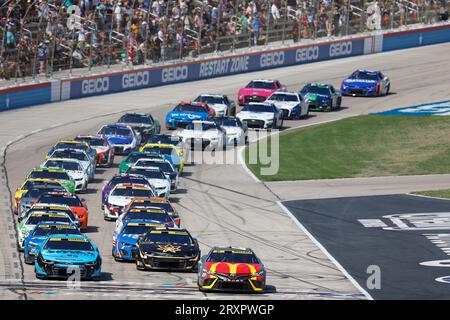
<point>139,78</point>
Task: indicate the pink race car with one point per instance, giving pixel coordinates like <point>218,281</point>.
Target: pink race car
<point>258,91</point>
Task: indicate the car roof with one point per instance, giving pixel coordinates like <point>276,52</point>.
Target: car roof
<point>263,80</point>
<point>232,248</point>
<point>212,95</point>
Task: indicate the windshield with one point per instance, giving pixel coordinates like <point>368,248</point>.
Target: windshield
<point>228,122</point>
<point>68,244</point>
<point>45,230</point>
<point>68,201</point>
<point>135,157</point>
<point>230,256</point>
<point>316,90</point>
<point>35,219</point>
<point>284,97</point>
<point>57,175</point>
<point>34,193</point>
<point>164,205</point>
<point>93,141</point>
<point>364,75</point>
<point>163,151</point>
<point>70,155</point>
<point>164,166</point>
<point>259,108</point>
<point>164,139</point>
<point>116,131</point>
<point>47,184</point>
<point>63,145</point>
<point>134,229</point>
<point>135,118</point>
<point>261,85</point>
<point>131,192</point>
<point>116,180</point>
<point>210,99</point>
<point>162,217</point>
<point>149,174</point>
<point>66,165</point>
<point>181,238</point>
<point>201,126</point>
<point>189,108</point>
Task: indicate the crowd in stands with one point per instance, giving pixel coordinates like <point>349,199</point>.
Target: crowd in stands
<point>39,36</point>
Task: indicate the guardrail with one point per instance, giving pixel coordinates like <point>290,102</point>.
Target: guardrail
<point>146,77</point>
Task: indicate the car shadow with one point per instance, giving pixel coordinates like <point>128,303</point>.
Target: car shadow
<point>91,229</point>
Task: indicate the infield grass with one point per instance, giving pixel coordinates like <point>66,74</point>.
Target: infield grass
<point>364,146</point>
<point>445,193</point>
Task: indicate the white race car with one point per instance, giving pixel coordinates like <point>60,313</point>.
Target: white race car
<point>291,104</point>
<point>74,169</point>
<point>261,115</point>
<point>203,134</point>
<point>220,103</point>
<point>156,177</point>
<point>121,195</point>
<point>236,131</point>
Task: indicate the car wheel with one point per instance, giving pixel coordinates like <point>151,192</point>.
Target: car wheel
<point>281,124</point>
<point>388,88</point>
<point>330,107</point>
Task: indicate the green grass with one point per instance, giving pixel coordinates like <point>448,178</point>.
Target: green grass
<point>364,146</point>
<point>436,193</point>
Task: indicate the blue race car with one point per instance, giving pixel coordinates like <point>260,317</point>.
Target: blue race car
<point>121,137</point>
<point>125,238</point>
<point>41,232</point>
<point>366,83</point>
<point>186,112</point>
<point>64,255</point>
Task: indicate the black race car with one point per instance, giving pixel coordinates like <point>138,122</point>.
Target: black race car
<point>143,123</point>
<point>167,249</point>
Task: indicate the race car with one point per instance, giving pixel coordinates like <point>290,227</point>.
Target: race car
<point>235,131</point>
<point>153,214</point>
<point>258,91</point>
<point>58,174</point>
<point>121,178</point>
<point>105,152</point>
<point>30,184</point>
<point>203,135</point>
<point>166,167</point>
<point>88,164</point>
<point>60,254</point>
<point>220,103</point>
<point>155,177</point>
<point>231,269</point>
<point>161,203</point>
<point>261,115</point>
<point>121,195</point>
<point>145,124</point>
<point>125,239</point>
<point>41,232</point>
<point>366,83</point>
<point>36,216</point>
<point>169,139</point>
<point>77,205</point>
<point>167,249</point>
<point>76,145</point>
<point>168,151</point>
<point>291,104</point>
<point>186,112</point>
<point>134,156</point>
<point>321,97</point>
<point>74,169</point>
<point>121,137</point>
<point>31,197</point>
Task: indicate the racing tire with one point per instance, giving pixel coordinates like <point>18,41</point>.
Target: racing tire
<point>281,124</point>
<point>329,108</point>
<point>27,260</point>
<point>388,89</point>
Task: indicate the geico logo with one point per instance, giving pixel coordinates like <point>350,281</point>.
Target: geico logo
<point>272,59</point>
<point>175,74</point>
<point>135,79</point>
<point>96,85</point>
<point>340,49</point>
<point>307,54</point>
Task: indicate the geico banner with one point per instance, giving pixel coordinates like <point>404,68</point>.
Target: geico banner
<point>158,76</point>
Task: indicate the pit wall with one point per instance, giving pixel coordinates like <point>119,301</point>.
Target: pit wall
<point>147,77</point>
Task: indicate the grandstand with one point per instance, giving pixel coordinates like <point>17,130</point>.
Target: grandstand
<point>44,37</point>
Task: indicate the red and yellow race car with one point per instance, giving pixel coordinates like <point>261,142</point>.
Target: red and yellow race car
<point>231,269</point>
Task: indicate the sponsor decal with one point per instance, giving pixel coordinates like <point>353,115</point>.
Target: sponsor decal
<point>95,85</point>
<point>341,49</point>
<point>168,248</point>
<point>271,59</point>
<point>137,79</point>
<point>307,54</point>
<point>174,74</point>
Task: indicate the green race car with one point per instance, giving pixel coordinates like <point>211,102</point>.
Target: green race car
<point>321,97</point>
<point>58,174</point>
<point>134,156</point>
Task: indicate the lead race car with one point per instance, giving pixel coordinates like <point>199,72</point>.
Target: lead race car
<point>366,83</point>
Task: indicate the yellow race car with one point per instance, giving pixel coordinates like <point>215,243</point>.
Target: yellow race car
<point>169,152</point>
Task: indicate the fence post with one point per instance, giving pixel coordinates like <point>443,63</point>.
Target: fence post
<point>268,22</point>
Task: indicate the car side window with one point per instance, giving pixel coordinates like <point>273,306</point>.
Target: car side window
<point>278,84</point>
<point>225,98</point>
<point>332,89</point>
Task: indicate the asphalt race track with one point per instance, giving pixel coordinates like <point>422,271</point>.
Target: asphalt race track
<point>219,204</point>
<point>394,232</point>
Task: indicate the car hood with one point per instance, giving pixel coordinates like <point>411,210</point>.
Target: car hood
<point>119,139</point>
<point>158,183</point>
<point>232,130</point>
<point>199,134</point>
<point>259,92</point>
<point>316,97</point>
<point>75,174</point>
<point>62,256</point>
<point>219,106</point>
<point>100,149</point>
<point>129,238</point>
<point>255,115</point>
<point>360,82</point>
<point>232,268</point>
<point>119,201</point>
<point>137,124</point>
<point>188,115</point>
<point>168,249</point>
